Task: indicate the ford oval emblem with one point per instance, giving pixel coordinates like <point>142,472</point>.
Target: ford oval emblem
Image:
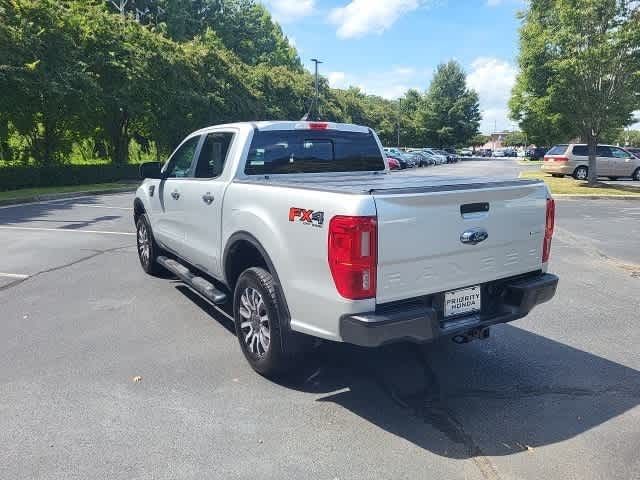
<point>473,236</point>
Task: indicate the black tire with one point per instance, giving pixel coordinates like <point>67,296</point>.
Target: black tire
<point>581,173</point>
<point>271,361</point>
<point>144,238</point>
<point>636,175</point>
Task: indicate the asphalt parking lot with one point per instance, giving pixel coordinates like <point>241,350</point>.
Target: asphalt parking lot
<point>554,395</point>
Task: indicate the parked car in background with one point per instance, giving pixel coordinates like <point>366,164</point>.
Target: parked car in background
<point>573,159</point>
<point>411,160</point>
<point>450,158</point>
<point>465,152</point>
<point>402,161</point>
<point>393,163</point>
<point>485,152</point>
<point>510,152</point>
<point>536,153</point>
<point>498,152</point>
<point>421,159</point>
<point>439,158</point>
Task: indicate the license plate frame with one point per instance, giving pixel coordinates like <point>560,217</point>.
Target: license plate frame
<point>462,301</point>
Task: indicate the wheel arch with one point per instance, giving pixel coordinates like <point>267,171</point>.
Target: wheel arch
<point>239,252</point>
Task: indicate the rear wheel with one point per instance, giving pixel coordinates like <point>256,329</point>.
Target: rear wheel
<point>259,318</point>
<point>636,175</point>
<point>581,173</point>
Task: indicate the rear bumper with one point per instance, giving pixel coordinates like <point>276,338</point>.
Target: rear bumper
<point>421,320</point>
<point>563,168</point>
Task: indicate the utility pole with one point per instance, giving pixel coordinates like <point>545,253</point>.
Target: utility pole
<point>315,101</point>
<point>399,115</point>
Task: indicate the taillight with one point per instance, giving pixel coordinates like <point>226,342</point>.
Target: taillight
<point>318,125</point>
<point>353,255</point>
<point>561,158</point>
<point>548,229</point>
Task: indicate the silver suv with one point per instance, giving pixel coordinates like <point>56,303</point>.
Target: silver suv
<point>573,159</point>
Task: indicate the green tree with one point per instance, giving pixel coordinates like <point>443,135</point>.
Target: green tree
<point>515,139</point>
<point>579,70</point>
<point>479,139</point>
<point>47,88</point>
<point>450,112</point>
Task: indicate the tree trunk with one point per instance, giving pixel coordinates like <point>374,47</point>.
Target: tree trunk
<point>592,147</point>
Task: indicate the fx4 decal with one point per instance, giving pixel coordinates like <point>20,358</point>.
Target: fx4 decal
<point>308,217</point>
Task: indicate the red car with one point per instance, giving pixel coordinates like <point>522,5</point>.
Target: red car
<point>393,163</point>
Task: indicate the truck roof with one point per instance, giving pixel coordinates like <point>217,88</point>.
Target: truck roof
<point>290,125</point>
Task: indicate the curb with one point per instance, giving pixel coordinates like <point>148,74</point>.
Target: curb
<point>61,196</point>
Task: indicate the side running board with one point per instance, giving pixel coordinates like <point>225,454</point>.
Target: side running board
<point>199,284</point>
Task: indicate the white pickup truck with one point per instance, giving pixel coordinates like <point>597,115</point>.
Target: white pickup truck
<point>303,229</point>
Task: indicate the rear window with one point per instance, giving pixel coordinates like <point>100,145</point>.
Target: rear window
<point>312,151</point>
<point>580,150</point>
<point>558,150</point>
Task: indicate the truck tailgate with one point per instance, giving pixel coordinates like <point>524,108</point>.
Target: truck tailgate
<point>419,236</point>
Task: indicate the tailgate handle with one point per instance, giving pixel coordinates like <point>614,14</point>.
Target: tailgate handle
<point>468,208</point>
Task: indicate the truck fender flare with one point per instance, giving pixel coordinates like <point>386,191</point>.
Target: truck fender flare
<point>247,237</point>
<point>292,341</point>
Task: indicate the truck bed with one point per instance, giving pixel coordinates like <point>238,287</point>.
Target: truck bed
<point>380,183</point>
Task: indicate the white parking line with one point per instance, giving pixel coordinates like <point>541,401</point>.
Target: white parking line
<point>101,206</point>
<point>14,275</point>
<point>67,230</point>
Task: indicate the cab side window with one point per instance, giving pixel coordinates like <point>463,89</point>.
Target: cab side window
<point>213,154</point>
<point>180,163</point>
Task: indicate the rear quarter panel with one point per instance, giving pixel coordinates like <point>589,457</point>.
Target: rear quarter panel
<point>298,250</point>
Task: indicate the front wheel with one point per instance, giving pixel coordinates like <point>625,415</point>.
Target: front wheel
<point>636,175</point>
<point>259,318</point>
<point>581,173</point>
<point>148,250</point>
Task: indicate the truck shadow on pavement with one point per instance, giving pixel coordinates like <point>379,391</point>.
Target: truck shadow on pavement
<point>512,393</point>
<point>46,213</point>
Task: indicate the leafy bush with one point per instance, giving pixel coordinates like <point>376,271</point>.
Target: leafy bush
<point>12,178</point>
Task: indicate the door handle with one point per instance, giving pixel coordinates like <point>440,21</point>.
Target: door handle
<point>175,194</point>
<point>207,198</point>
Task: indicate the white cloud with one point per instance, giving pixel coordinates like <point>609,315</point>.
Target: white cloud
<point>285,11</point>
<point>389,84</point>
<point>493,79</point>
<point>337,79</point>
<point>360,17</point>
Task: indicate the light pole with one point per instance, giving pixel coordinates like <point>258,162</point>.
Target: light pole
<point>315,101</point>
<point>399,115</point>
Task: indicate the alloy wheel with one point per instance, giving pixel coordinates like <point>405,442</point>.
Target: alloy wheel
<point>144,245</point>
<point>255,326</point>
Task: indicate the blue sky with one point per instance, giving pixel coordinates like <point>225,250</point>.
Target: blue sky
<point>388,46</point>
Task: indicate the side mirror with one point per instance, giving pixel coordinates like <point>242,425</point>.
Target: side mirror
<point>150,170</point>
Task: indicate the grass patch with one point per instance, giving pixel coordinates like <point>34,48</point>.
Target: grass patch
<point>32,192</point>
<point>569,186</point>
